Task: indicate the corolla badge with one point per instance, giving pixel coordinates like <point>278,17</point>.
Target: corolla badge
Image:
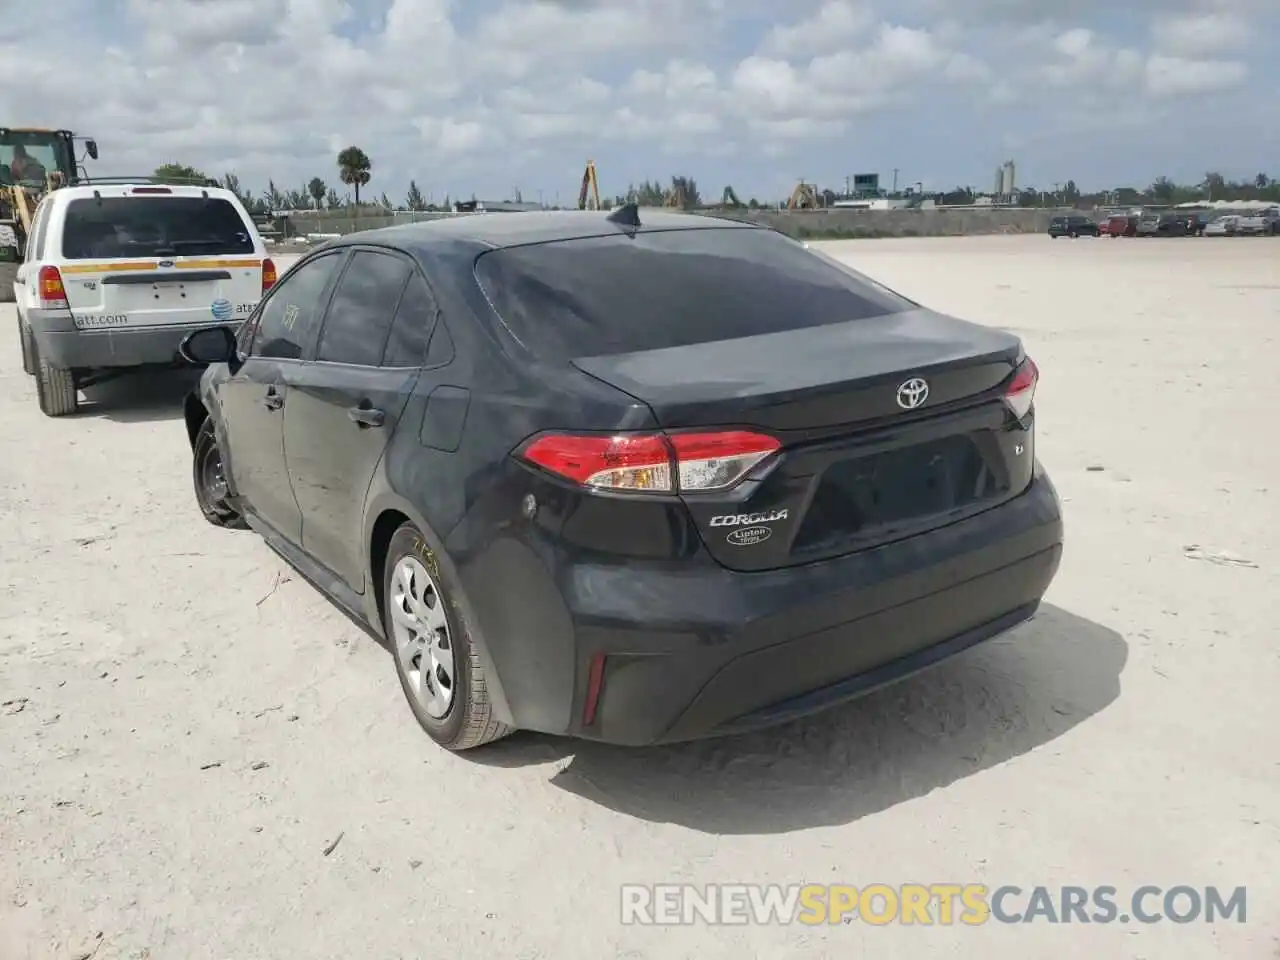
<point>221,309</point>
<point>749,536</point>
<point>912,393</point>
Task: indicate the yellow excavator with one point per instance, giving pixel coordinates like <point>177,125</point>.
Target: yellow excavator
<point>804,197</point>
<point>33,161</point>
<point>589,195</point>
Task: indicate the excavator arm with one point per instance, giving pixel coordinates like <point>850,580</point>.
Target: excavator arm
<point>589,195</point>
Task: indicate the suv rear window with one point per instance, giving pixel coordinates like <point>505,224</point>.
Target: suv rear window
<point>673,288</point>
<point>122,227</point>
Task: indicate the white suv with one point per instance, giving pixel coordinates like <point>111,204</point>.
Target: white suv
<point>117,274</point>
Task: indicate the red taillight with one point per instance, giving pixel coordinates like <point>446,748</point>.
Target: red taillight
<point>1021,392</point>
<point>53,295</point>
<point>652,462</point>
<point>137,190</point>
<point>268,275</point>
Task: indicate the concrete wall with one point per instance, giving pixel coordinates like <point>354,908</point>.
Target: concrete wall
<point>809,224</point>
<point>952,222</point>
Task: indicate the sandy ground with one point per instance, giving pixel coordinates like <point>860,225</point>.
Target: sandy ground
<point>187,727</point>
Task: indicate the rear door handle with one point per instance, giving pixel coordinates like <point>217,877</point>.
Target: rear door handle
<point>367,416</point>
<point>273,400</point>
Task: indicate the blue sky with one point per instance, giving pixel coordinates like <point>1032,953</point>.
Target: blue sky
<point>486,96</point>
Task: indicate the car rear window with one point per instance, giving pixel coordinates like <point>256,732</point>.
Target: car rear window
<point>153,227</point>
<point>675,288</point>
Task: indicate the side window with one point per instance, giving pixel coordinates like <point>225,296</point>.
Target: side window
<point>35,243</point>
<point>362,308</point>
<point>411,331</point>
<point>290,320</point>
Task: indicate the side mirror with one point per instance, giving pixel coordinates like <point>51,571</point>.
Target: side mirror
<point>92,147</point>
<point>210,345</point>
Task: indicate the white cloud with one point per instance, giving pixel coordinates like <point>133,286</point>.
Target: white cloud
<point>1200,33</point>
<point>1178,76</point>
<point>836,24</point>
<point>463,89</point>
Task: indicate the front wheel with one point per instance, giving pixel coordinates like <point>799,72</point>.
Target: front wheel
<point>435,657</point>
<point>210,480</point>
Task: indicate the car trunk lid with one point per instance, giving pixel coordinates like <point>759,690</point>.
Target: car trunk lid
<point>889,426</point>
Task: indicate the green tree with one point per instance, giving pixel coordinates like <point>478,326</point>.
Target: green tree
<point>1215,185</point>
<point>1163,189</point>
<point>415,201</point>
<point>274,198</point>
<point>332,200</point>
<point>316,189</point>
<point>180,173</point>
<point>354,169</point>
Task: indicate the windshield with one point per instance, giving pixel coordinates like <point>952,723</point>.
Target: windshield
<point>673,288</point>
<point>153,227</point>
<point>28,156</point>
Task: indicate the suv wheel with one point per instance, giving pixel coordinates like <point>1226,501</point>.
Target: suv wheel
<point>210,481</point>
<point>55,386</point>
<point>435,660</point>
<point>24,338</point>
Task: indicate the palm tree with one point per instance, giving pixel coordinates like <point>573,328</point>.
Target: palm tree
<point>353,169</point>
<point>317,189</point>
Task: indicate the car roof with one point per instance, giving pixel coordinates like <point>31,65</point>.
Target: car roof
<point>498,230</point>
<point>81,191</point>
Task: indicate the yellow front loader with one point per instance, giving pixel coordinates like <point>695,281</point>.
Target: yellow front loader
<point>33,161</point>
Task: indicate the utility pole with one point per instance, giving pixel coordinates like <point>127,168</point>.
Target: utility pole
<point>895,179</point>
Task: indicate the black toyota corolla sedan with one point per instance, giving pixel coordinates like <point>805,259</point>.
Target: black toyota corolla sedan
<point>638,477</point>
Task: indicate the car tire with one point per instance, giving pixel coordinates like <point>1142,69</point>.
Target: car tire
<point>207,475</point>
<point>55,386</point>
<point>1073,235</point>
<point>24,339</point>
<point>434,654</point>
<point>8,276</point>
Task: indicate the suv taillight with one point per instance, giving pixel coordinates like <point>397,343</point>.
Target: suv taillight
<point>269,276</point>
<point>53,295</point>
<point>651,462</point>
<point>1020,394</point>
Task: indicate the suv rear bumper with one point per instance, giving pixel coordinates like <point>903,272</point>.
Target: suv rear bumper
<point>64,345</point>
<point>693,650</point>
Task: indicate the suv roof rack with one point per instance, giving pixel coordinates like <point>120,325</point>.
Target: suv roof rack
<point>150,179</point>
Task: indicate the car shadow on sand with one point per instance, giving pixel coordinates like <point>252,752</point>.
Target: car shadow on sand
<point>989,705</point>
<point>141,398</point>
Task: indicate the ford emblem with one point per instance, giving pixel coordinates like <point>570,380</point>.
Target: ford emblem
<point>165,263</point>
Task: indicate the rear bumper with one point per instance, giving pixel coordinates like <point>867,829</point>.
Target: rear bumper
<point>697,650</point>
<point>62,344</point>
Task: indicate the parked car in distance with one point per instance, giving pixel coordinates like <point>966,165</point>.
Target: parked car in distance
<point>1121,226</point>
<point>577,502</point>
<point>1224,226</point>
<point>1196,223</point>
<point>1252,226</point>
<point>1072,226</point>
<point>1165,224</point>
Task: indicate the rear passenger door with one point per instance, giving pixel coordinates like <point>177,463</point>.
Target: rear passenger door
<point>344,405</point>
